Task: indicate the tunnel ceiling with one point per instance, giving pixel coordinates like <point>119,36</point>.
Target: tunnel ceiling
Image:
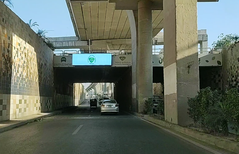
<point>89,74</point>
<point>100,20</point>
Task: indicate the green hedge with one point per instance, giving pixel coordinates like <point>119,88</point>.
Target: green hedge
<point>213,110</point>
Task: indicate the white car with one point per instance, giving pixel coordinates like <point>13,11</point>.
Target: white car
<point>110,106</point>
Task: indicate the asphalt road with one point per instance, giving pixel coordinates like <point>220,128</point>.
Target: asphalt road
<point>85,131</point>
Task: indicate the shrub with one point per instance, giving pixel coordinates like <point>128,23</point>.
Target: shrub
<point>200,104</point>
<point>216,119</point>
<point>160,107</point>
<point>231,107</point>
<point>148,106</point>
<point>214,111</point>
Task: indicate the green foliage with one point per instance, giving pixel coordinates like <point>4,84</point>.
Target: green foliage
<point>32,24</point>
<point>198,106</point>
<point>160,107</point>
<point>231,107</point>
<point>41,33</point>
<point>7,2</point>
<point>148,106</point>
<point>216,120</point>
<point>214,111</point>
<point>225,41</point>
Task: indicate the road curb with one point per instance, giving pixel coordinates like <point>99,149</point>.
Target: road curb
<point>222,143</point>
<point>21,123</point>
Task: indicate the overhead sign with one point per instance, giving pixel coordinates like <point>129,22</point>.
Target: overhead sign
<point>62,61</point>
<point>91,59</point>
<point>157,60</point>
<point>122,60</point>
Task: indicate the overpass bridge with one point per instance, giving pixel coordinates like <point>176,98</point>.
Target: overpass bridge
<point>119,69</point>
<point>109,25</point>
<point>74,42</point>
<point>105,25</point>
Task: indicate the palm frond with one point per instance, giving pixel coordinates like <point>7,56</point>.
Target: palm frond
<point>7,2</point>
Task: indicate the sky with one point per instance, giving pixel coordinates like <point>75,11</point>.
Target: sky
<point>53,17</point>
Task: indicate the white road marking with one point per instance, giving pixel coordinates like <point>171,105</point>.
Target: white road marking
<point>77,130</point>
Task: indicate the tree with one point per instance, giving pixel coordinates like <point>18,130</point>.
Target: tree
<point>7,2</point>
<point>41,33</point>
<point>32,24</point>
<point>225,41</point>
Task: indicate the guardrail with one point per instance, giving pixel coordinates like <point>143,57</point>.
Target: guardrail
<point>155,51</point>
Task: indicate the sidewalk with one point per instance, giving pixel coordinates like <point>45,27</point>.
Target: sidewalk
<point>10,124</point>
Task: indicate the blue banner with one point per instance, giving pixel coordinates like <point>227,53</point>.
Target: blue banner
<point>91,59</point>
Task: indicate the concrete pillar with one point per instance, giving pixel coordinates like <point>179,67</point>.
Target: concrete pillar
<point>133,21</point>
<point>112,90</point>
<point>181,71</point>
<point>144,55</point>
<point>203,46</point>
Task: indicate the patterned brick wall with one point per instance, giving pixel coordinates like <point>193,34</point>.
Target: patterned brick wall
<point>211,77</point>
<point>26,70</point>
<point>4,107</point>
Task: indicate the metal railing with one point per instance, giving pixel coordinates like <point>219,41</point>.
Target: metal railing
<point>155,51</point>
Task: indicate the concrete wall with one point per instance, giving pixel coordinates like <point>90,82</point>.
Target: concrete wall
<point>78,94</point>
<point>224,77</point>
<point>26,70</point>
<point>158,89</point>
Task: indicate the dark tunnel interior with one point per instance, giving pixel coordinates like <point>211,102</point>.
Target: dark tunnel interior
<point>121,76</point>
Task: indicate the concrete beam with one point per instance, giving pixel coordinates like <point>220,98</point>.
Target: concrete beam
<point>159,38</point>
<point>69,6</point>
<point>88,0</point>
<point>112,42</point>
<point>91,86</point>
<point>133,4</point>
<point>67,42</point>
<point>74,42</point>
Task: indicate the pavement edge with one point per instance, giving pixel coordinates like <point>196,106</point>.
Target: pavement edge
<point>24,122</point>
<point>218,142</point>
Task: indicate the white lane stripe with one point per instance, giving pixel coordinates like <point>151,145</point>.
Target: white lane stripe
<point>77,130</point>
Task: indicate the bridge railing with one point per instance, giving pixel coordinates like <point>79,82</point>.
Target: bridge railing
<point>155,51</point>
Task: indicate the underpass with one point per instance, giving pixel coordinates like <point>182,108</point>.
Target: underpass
<point>119,72</point>
<point>81,130</point>
<point>31,90</point>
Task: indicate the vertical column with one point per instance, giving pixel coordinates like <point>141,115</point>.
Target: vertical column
<point>144,55</point>
<point>200,47</point>
<point>133,21</point>
<point>203,46</point>
<point>181,71</point>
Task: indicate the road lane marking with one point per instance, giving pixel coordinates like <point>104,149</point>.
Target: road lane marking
<point>77,130</point>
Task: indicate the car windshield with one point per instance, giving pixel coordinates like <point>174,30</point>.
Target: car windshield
<point>110,101</point>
